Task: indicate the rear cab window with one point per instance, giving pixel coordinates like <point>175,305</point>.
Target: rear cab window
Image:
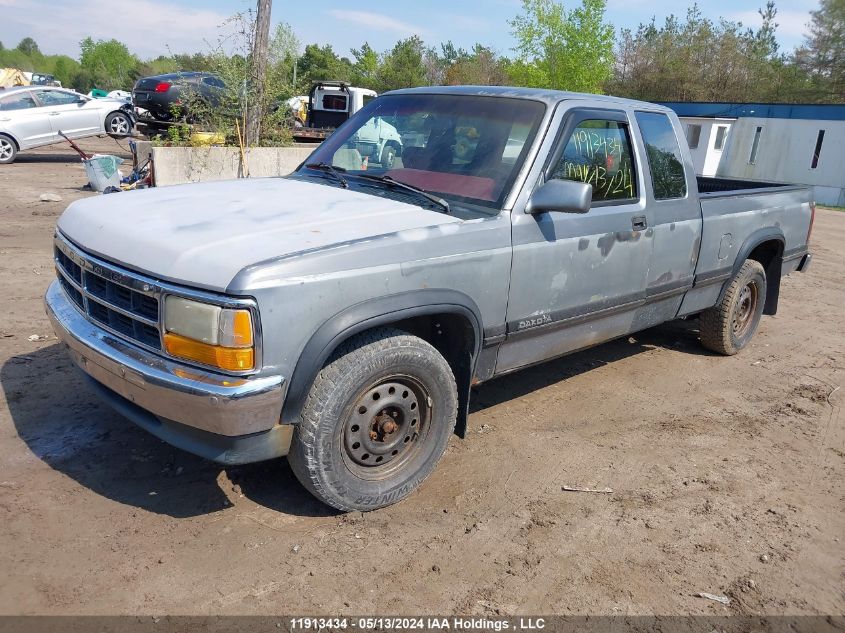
<point>665,163</point>
<point>598,152</point>
<point>334,102</point>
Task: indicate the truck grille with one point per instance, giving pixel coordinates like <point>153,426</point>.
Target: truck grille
<point>115,298</point>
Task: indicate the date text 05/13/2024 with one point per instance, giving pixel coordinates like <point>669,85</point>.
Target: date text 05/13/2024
<point>417,624</point>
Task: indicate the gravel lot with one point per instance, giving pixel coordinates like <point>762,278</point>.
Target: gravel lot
<point>727,476</point>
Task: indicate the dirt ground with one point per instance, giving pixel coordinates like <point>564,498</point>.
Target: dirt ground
<point>727,476</point>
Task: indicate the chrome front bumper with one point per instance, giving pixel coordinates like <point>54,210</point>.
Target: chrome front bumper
<point>228,419</point>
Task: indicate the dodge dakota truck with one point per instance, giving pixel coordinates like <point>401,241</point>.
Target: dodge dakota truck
<point>341,315</point>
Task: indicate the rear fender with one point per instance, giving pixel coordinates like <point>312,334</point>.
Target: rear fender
<point>773,270</point>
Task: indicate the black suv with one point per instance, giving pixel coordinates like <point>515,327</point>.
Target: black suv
<point>162,95</point>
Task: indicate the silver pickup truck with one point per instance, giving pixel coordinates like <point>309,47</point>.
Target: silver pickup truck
<point>341,315</point>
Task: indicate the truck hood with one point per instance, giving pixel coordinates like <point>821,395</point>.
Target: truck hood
<point>204,234</point>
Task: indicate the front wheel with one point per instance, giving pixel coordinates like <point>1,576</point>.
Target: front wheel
<point>728,326</point>
<point>118,124</point>
<point>376,422</point>
<point>8,150</point>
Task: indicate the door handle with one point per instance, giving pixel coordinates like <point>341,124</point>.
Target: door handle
<point>55,113</point>
<point>639,223</point>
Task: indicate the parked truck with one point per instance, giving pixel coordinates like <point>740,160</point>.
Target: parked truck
<point>341,316</point>
<point>330,103</point>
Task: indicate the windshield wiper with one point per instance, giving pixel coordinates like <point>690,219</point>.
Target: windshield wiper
<point>331,169</point>
<point>402,185</point>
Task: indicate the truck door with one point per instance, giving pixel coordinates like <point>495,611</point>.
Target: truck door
<point>578,279</point>
<point>674,215</point>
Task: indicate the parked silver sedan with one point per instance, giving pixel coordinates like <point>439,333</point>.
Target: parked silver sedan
<point>32,116</point>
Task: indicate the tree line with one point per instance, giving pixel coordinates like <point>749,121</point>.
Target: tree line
<point>687,58</point>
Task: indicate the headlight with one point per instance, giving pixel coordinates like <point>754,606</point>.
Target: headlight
<point>209,334</point>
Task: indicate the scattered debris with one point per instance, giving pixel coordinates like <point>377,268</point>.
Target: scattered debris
<point>435,569</point>
<point>835,389</point>
<point>710,596</point>
<point>50,197</point>
<point>604,491</point>
<point>295,548</point>
<point>36,337</point>
<point>764,558</point>
<point>484,428</point>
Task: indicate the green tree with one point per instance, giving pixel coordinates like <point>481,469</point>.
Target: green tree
<point>696,59</point>
<point>563,49</point>
<point>321,62</point>
<point>823,54</point>
<point>365,66</point>
<point>109,63</point>
<point>63,68</point>
<point>402,67</point>
<point>481,67</point>
<point>28,46</point>
<point>284,51</point>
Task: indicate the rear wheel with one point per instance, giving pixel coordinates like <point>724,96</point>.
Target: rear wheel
<point>728,327</point>
<point>388,157</point>
<point>118,124</point>
<point>8,150</point>
<point>376,422</point>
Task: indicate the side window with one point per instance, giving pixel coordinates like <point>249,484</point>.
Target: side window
<point>20,101</point>
<point>56,97</point>
<point>664,155</point>
<point>693,135</point>
<point>721,133</point>
<point>213,81</point>
<point>599,153</point>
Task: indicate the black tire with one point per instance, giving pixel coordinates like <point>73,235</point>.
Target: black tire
<point>8,150</point>
<point>355,456</point>
<point>388,156</point>
<point>727,327</point>
<point>118,124</point>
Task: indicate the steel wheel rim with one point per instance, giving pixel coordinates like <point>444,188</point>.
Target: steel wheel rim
<point>746,307</point>
<point>386,427</point>
<point>5,149</point>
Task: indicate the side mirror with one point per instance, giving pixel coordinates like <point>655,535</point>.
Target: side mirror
<point>563,196</point>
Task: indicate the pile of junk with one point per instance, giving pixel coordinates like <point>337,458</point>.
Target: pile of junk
<point>104,174</point>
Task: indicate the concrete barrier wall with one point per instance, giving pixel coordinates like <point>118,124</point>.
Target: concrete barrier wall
<point>179,165</point>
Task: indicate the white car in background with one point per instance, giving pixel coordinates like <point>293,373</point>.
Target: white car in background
<point>32,116</point>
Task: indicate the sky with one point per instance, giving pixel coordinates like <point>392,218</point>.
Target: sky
<point>154,27</point>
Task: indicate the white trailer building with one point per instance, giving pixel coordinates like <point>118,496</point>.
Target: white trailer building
<point>801,143</point>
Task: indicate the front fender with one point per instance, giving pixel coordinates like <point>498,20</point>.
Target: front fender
<point>367,315</point>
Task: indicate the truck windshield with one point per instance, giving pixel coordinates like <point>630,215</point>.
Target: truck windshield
<point>463,148</point>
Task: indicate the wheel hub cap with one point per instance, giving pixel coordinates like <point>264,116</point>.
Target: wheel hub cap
<point>746,306</point>
<point>384,426</point>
